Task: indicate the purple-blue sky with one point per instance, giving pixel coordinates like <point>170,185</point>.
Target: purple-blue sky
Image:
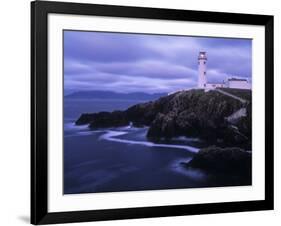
<point>148,63</point>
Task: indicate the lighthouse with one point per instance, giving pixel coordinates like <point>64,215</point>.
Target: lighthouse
<point>202,61</point>
<point>233,82</point>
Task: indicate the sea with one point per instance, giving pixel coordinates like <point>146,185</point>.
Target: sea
<point>122,159</point>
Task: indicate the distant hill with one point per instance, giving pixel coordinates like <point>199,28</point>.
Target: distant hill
<point>95,94</point>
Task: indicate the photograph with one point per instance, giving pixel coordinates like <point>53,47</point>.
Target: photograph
<point>145,112</point>
<point>155,111</point>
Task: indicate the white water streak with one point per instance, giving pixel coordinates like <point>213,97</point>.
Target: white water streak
<point>111,136</point>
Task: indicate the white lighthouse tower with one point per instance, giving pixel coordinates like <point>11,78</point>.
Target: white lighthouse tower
<point>202,67</point>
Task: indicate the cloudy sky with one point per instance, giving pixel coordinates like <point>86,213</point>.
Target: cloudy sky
<point>148,63</point>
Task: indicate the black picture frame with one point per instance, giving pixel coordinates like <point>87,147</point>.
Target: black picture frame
<point>39,112</point>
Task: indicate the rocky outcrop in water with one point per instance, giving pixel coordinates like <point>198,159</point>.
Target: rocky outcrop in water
<point>103,119</point>
<point>192,113</point>
<point>223,161</point>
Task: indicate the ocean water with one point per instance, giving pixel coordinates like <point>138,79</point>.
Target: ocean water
<point>122,159</point>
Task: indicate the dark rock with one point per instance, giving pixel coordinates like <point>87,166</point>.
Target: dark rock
<point>109,119</point>
<point>197,114</point>
<point>223,161</point>
<point>85,118</point>
<point>162,126</point>
<point>142,114</point>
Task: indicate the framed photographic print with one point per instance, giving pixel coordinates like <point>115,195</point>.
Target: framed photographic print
<point>144,112</point>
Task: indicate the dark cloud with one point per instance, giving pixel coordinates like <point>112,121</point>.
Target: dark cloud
<point>104,47</point>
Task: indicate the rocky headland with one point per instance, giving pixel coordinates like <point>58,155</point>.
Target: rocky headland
<point>213,117</point>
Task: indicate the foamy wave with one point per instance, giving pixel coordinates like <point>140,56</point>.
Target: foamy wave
<point>130,127</point>
<point>83,133</point>
<point>111,136</point>
<point>73,126</point>
<point>194,174</point>
<point>189,139</point>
